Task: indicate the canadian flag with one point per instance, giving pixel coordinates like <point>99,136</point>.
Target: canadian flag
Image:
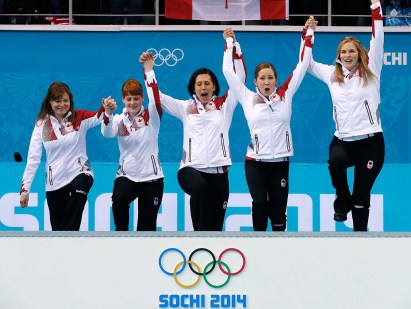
<point>224,10</point>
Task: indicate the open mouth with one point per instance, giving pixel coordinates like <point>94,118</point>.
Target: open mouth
<point>266,89</point>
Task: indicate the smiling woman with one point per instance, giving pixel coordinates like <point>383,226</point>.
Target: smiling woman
<point>62,131</point>
<point>140,174</point>
<point>60,106</point>
<point>354,84</point>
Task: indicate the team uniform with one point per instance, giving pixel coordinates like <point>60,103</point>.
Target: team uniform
<point>358,140</point>
<point>267,159</point>
<point>69,175</point>
<point>203,172</point>
<point>139,174</point>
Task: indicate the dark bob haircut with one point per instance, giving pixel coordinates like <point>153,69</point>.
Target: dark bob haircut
<point>191,83</point>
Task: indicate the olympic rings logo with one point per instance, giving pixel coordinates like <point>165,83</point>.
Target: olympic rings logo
<point>179,268</point>
<point>165,56</point>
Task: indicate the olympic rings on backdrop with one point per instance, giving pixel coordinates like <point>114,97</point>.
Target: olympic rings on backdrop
<point>183,285</point>
<point>229,273</point>
<point>207,269</point>
<point>213,262</point>
<point>168,250</point>
<point>219,264</point>
<point>165,56</point>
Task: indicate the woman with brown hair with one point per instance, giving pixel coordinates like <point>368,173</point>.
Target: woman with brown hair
<point>268,113</point>
<point>205,159</point>
<point>61,129</point>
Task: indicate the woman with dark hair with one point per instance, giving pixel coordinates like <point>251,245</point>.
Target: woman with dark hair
<point>61,129</point>
<point>354,84</point>
<point>268,113</point>
<point>139,174</point>
<point>206,119</point>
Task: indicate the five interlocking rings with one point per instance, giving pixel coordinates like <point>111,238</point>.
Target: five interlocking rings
<point>166,56</point>
<point>207,269</point>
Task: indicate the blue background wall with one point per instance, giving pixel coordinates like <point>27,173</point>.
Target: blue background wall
<point>95,65</point>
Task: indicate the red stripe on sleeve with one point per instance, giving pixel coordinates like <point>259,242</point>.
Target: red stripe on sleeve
<point>376,15</point>
<point>157,100</point>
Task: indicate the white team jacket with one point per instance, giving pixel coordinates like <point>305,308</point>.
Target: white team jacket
<point>356,109</point>
<point>138,142</point>
<point>65,145</point>
<point>269,120</point>
<point>206,143</point>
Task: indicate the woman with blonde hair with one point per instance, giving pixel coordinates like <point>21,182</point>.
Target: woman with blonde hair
<point>354,84</point>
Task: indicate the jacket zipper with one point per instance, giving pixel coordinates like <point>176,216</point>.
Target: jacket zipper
<point>336,120</point>
<point>50,176</point>
<point>257,144</point>
<point>121,168</point>
<point>153,161</point>
<point>189,149</point>
<point>367,107</point>
<point>81,165</point>
<point>287,138</point>
<point>223,145</point>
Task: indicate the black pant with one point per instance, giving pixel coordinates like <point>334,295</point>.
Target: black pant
<point>66,204</point>
<point>149,194</point>
<point>367,157</point>
<point>209,196</point>
<point>268,185</point>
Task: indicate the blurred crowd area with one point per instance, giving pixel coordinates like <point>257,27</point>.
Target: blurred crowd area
<point>143,12</point>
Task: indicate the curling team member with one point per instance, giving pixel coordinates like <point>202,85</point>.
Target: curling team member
<point>268,114</point>
<point>62,131</point>
<point>139,174</point>
<point>354,84</point>
<point>206,119</point>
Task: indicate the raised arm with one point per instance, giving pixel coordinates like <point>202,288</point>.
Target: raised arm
<point>235,83</point>
<point>376,52</point>
<point>170,105</point>
<point>239,64</point>
<point>154,103</point>
<point>294,80</point>
<point>318,70</point>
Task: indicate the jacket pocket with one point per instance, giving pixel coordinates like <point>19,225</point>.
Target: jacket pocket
<point>367,107</point>
<point>336,119</point>
<point>257,144</point>
<point>223,145</point>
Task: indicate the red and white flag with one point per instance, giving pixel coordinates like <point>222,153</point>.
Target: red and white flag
<point>225,10</point>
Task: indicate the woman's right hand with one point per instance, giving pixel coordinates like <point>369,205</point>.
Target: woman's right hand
<point>109,105</point>
<point>24,200</point>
